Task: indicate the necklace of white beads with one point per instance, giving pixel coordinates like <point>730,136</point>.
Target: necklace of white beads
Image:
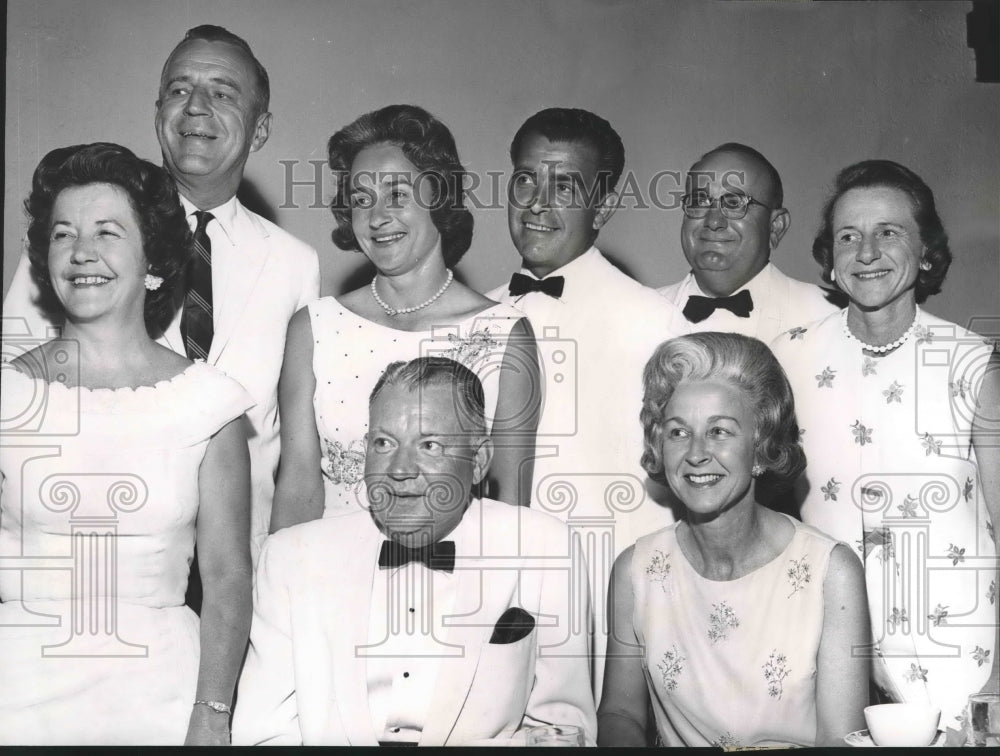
<point>402,311</point>
<point>883,348</point>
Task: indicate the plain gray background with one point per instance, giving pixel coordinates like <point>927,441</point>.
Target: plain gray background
<point>814,86</point>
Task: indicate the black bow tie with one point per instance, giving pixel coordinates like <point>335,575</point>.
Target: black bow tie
<point>522,284</point>
<point>437,556</point>
<point>699,308</point>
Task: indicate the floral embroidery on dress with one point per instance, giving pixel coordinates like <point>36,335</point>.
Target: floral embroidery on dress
<point>915,672</point>
<point>796,333</point>
<point>896,617</point>
<point>798,574</point>
<point>830,490</point>
<point>474,347</point>
<point>775,671</point>
<point>659,568</point>
<point>862,434</point>
<point>991,592</point>
<point>721,621</point>
<point>923,334</point>
<point>960,388</point>
<point>727,741</point>
<point>869,367</point>
<point>939,616</point>
<point>670,667</point>
<point>967,489</point>
<point>955,554</point>
<point>981,655</point>
<point>931,444</point>
<point>344,466</point>
<point>909,506</point>
<point>893,394</point>
<point>826,377</point>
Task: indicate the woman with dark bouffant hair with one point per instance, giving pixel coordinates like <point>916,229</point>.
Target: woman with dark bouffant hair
<point>400,202</point>
<point>738,625</point>
<point>146,456</point>
<point>899,411</point>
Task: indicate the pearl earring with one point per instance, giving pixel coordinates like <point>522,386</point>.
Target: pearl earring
<point>833,275</point>
<point>151,282</point>
<point>757,470</point>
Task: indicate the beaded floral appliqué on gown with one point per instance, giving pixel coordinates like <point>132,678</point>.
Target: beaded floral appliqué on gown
<point>344,466</point>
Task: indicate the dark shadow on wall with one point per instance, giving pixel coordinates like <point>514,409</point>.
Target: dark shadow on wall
<point>254,201</point>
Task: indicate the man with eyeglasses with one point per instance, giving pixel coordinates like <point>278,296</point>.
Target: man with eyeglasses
<point>733,219</point>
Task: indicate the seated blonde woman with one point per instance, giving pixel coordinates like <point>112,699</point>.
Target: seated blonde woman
<point>737,626</point>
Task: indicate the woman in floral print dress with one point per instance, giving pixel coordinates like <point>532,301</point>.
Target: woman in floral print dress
<point>901,465</point>
<point>399,200</point>
<point>735,626</point>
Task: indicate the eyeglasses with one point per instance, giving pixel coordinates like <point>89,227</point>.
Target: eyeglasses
<point>733,206</point>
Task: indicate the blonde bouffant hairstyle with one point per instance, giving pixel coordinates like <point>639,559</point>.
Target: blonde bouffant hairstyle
<point>748,365</point>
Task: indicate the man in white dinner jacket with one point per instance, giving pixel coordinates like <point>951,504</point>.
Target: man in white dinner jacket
<point>596,328</point>
<point>211,113</point>
<point>434,618</point>
<point>734,218</point>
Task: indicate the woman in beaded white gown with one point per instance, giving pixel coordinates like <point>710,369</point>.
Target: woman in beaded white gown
<point>901,467</point>
<point>399,201</point>
<point>117,456</point>
<point>735,626</point>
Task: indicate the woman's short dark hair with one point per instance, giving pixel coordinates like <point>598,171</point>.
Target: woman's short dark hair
<point>885,173</point>
<point>745,363</point>
<point>166,238</point>
<point>429,145</point>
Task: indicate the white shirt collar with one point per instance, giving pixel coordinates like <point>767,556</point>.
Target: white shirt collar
<point>225,214</point>
<point>575,267</point>
<point>757,286</point>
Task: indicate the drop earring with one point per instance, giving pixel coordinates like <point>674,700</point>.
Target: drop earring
<point>757,470</point>
<point>833,275</point>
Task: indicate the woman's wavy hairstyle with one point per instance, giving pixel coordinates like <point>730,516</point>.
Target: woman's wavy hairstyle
<point>885,173</point>
<point>166,238</point>
<point>748,365</point>
<point>428,144</point>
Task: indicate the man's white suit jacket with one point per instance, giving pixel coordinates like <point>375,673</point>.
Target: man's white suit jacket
<point>305,679</point>
<point>257,286</point>
<point>780,302</point>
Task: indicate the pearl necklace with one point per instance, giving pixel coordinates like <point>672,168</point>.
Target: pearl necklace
<point>393,313</point>
<point>884,347</point>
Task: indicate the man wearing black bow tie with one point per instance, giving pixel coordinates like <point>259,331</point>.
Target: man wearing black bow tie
<point>436,618</point>
<point>595,328</point>
<point>733,219</point>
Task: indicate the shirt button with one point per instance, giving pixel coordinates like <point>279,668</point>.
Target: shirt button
<point>412,609</point>
<point>395,729</point>
<point>406,674</point>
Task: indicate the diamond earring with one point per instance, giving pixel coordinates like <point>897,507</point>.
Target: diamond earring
<point>151,282</point>
<point>925,265</point>
<point>757,470</point>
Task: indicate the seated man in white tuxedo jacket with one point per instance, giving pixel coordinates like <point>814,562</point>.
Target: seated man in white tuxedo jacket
<point>435,618</point>
<point>734,218</point>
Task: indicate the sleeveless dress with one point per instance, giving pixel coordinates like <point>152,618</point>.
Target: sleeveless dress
<point>892,472</point>
<point>731,663</point>
<point>97,533</point>
<point>351,352</point>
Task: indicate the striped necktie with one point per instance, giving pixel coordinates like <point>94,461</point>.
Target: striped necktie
<point>196,322</point>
